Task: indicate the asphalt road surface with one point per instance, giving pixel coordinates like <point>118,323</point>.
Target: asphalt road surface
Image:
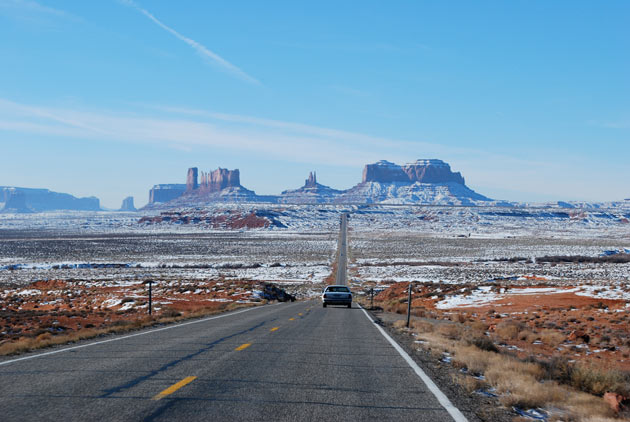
<point>291,361</point>
<point>342,251</point>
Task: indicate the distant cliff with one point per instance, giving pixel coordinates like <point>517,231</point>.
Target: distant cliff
<point>421,182</point>
<point>166,192</point>
<point>44,200</point>
<point>220,185</point>
<point>422,171</point>
<point>127,204</point>
<point>424,181</point>
<point>213,181</point>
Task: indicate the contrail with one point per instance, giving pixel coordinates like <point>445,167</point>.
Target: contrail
<point>200,48</point>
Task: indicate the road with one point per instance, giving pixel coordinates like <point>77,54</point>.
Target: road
<point>303,362</point>
<point>289,361</point>
<point>342,251</point>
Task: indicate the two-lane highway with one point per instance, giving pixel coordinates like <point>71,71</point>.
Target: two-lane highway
<point>290,361</point>
<point>342,251</point>
<point>294,361</point>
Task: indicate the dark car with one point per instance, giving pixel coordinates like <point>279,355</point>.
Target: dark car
<point>337,295</point>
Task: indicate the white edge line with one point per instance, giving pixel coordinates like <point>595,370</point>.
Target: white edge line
<point>133,335</point>
<point>439,395</point>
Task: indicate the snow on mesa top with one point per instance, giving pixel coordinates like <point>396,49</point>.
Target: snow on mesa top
<point>428,162</point>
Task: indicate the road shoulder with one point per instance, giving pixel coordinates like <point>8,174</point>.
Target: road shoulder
<point>475,407</point>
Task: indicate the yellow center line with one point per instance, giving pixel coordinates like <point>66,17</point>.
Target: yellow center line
<point>173,388</point>
<point>274,328</point>
<point>291,319</point>
<point>243,346</point>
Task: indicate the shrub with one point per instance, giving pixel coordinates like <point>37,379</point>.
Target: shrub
<point>598,381</point>
<point>508,330</point>
<point>169,313</point>
<point>450,331</point>
<point>422,326</point>
<point>483,343</point>
<point>400,323</point>
<point>552,337</point>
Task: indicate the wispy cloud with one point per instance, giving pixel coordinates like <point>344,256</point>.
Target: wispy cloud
<point>202,50</point>
<point>185,128</point>
<point>200,131</point>
<point>34,12</point>
<point>32,6</point>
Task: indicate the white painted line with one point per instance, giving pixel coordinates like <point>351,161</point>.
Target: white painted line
<point>134,335</point>
<point>439,395</point>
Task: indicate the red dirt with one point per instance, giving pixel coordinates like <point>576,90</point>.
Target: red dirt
<point>229,219</point>
<point>58,307</point>
<point>573,319</point>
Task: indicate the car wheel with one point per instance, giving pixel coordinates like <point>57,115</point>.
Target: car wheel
<point>324,305</point>
<point>349,305</point>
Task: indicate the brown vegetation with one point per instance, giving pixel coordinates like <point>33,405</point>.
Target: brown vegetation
<point>558,351</point>
<point>53,312</point>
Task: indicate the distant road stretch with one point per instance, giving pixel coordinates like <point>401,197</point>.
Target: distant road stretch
<point>342,251</point>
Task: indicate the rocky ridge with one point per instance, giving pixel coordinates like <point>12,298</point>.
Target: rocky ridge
<point>424,181</point>
<point>311,193</point>
<point>20,200</point>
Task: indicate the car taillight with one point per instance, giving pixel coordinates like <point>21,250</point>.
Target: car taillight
<point>325,295</point>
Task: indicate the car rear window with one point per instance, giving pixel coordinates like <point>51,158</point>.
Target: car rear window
<point>337,289</point>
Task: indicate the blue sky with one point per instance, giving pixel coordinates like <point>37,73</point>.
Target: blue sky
<point>530,100</point>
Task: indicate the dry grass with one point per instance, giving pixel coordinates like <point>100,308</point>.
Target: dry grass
<point>597,381</point>
<point>470,384</point>
<point>451,331</point>
<point>508,330</point>
<point>552,338</point>
<point>519,383</point>
<point>525,384</point>
<point>401,323</point>
<point>421,326</point>
<point>528,336</point>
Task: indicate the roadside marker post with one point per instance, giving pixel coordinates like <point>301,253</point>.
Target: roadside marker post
<point>150,283</point>
<point>372,298</point>
<point>409,304</point>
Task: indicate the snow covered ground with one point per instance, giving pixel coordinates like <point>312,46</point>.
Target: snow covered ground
<point>398,243</point>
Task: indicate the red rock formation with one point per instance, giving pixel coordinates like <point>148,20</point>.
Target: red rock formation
<point>431,171</point>
<point>423,171</point>
<point>219,179</point>
<point>191,179</point>
<point>384,172</point>
<point>311,182</point>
